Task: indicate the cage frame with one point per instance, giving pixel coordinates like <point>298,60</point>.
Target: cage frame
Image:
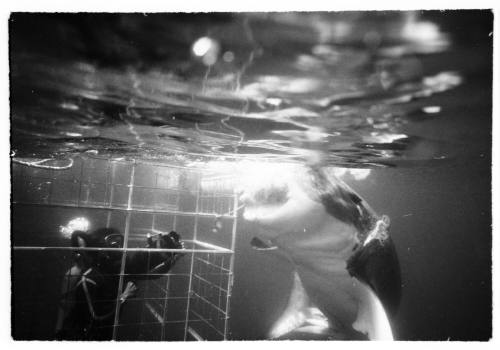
<point>199,247</point>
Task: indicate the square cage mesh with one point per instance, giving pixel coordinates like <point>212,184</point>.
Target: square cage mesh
<point>140,200</point>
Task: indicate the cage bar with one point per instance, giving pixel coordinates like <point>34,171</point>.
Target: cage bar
<point>190,302</point>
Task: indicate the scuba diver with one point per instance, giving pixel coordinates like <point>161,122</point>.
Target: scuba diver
<point>90,287</point>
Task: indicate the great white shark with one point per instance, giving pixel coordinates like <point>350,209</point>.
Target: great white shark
<point>347,282</point>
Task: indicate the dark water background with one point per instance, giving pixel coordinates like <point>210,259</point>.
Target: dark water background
<point>129,86</point>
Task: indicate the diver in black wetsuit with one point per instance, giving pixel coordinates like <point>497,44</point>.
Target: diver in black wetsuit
<point>89,291</point>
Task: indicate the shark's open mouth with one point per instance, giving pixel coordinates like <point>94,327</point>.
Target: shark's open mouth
<point>272,196</point>
<point>264,202</point>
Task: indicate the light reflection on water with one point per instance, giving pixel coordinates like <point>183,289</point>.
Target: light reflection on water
<point>322,87</point>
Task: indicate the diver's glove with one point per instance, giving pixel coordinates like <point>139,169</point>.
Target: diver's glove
<point>129,292</point>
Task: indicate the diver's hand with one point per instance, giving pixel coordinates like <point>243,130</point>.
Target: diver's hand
<point>129,291</point>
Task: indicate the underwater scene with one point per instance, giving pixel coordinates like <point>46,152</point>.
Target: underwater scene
<point>251,176</point>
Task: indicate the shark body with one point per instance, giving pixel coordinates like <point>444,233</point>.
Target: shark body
<point>347,279</point>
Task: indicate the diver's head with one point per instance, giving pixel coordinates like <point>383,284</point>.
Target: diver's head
<point>100,238</point>
<point>106,237</point>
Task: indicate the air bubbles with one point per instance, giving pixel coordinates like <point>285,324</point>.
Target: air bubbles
<point>217,225</point>
<point>228,56</point>
<point>206,49</point>
<point>76,224</point>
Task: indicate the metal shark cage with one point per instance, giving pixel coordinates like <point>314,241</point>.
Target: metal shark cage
<point>190,302</point>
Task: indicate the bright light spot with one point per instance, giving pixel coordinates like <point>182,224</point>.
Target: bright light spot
<point>312,135</point>
<point>328,31</point>
<point>292,112</point>
<point>76,224</point>
<point>431,109</point>
<point>357,174</point>
<point>73,134</point>
<point>272,84</point>
<point>247,173</point>
<point>69,106</point>
<point>339,172</point>
<point>360,174</point>
<point>323,50</point>
<point>422,31</point>
<point>274,101</point>
<point>385,138</point>
<point>207,49</point>
<point>202,46</point>
<point>308,62</point>
<point>442,81</point>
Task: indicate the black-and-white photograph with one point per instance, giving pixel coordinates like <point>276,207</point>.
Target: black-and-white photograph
<point>190,176</point>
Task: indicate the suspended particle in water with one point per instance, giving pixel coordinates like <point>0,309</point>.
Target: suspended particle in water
<point>217,226</point>
<point>206,49</point>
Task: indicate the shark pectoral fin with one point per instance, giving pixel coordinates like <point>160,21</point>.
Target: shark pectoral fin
<point>372,319</point>
<point>296,312</point>
<point>315,322</point>
<point>312,329</point>
<point>287,323</point>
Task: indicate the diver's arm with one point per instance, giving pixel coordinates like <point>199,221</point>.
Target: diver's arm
<point>149,265</point>
<point>67,299</point>
<point>129,291</point>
